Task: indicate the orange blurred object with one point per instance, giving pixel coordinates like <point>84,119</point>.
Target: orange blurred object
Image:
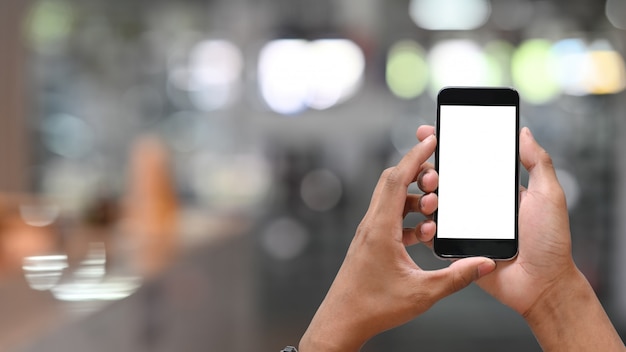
<point>150,210</point>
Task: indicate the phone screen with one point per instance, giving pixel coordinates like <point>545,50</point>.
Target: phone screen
<point>477,172</point>
<point>477,161</point>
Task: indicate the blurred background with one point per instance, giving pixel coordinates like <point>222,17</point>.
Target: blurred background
<point>188,175</point>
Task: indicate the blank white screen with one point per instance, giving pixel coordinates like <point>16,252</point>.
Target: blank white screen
<point>477,172</point>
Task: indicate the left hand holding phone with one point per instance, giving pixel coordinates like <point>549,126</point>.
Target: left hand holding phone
<point>379,286</point>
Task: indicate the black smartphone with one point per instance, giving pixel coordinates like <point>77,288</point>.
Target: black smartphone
<point>477,160</point>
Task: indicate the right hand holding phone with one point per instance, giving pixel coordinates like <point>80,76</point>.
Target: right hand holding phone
<point>544,256</point>
<point>544,237</point>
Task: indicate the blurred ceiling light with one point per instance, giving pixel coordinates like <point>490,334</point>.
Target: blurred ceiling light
<point>321,190</point>
<point>285,239</point>
<point>608,73</point>
<point>616,13</point>
<point>449,14</point>
<point>512,14</point>
<point>49,23</point>
<point>283,75</point>
<point>44,272</point>
<point>215,68</point>
<point>573,65</point>
<point>295,74</point>
<point>594,69</point>
<point>534,71</point>
<point>457,62</point>
<point>407,70</point>
<point>67,135</point>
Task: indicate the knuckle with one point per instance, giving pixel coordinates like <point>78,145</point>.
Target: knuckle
<point>545,158</point>
<point>392,177</point>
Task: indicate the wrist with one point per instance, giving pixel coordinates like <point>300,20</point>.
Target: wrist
<point>332,331</point>
<point>570,288</point>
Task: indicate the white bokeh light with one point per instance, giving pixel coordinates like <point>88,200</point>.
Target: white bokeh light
<point>449,14</point>
<point>296,74</point>
<point>457,62</point>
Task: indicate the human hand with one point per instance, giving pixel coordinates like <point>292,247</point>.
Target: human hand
<point>544,255</point>
<point>379,286</point>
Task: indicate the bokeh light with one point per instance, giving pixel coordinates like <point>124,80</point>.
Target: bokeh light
<point>457,62</point>
<point>608,72</point>
<point>407,70</point>
<point>49,23</point>
<point>67,135</point>
<point>285,239</point>
<point>296,74</point>
<point>39,215</point>
<point>449,14</point>
<point>321,190</point>
<point>534,68</point>
<point>43,272</point>
<point>215,68</point>
<point>616,13</point>
<point>599,68</point>
<point>572,57</point>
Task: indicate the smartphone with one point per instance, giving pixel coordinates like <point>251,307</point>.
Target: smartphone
<point>477,160</point>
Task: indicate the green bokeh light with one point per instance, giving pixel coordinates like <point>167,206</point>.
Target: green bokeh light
<point>534,71</point>
<point>49,22</point>
<point>407,70</point>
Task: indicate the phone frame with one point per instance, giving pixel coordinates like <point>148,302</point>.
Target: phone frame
<point>500,249</point>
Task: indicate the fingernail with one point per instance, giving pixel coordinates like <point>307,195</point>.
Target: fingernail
<point>528,133</point>
<point>429,138</point>
<point>486,267</point>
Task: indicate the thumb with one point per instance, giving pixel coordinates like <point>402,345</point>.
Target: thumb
<point>538,163</point>
<point>459,275</point>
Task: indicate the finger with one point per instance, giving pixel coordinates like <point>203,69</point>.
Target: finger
<point>424,203</point>
<point>424,131</point>
<point>458,275</point>
<point>537,161</point>
<point>428,179</point>
<point>422,233</point>
<point>393,191</point>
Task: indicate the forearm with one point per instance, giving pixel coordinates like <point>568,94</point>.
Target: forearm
<point>337,326</point>
<point>569,317</point>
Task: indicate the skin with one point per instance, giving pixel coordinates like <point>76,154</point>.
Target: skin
<point>379,286</point>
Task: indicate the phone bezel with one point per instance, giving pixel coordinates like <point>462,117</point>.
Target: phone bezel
<point>501,249</point>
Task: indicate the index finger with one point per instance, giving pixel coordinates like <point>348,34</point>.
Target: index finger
<point>424,131</point>
<point>393,190</point>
